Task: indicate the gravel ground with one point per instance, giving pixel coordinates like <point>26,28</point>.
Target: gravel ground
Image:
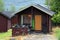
<point>36,36</point>
<point>39,37</point>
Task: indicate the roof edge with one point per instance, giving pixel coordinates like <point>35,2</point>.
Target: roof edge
<point>49,12</point>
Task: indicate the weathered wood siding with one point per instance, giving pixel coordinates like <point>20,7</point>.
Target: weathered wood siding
<point>50,24</point>
<point>9,24</point>
<point>14,20</point>
<point>45,23</point>
<point>3,23</point>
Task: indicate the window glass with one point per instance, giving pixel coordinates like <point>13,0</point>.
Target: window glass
<point>27,19</point>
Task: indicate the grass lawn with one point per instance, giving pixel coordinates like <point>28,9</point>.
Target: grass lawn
<point>57,32</point>
<point>6,35</point>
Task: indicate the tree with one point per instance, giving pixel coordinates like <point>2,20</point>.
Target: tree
<point>12,8</point>
<point>1,5</point>
<point>54,5</point>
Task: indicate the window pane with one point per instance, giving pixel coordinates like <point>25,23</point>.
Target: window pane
<point>27,19</point>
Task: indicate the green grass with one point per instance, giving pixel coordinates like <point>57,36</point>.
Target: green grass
<point>6,34</point>
<point>57,33</point>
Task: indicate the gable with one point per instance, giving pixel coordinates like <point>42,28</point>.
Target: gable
<point>31,10</point>
<point>37,6</point>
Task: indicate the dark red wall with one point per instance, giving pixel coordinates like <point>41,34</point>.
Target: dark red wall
<point>9,24</point>
<point>3,23</point>
<point>14,20</point>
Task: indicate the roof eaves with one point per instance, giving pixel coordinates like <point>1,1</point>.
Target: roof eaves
<point>44,9</point>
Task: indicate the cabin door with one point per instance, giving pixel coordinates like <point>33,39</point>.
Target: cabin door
<point>38,22</point>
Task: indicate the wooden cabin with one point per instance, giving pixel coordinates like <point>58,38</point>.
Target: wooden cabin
<point>35,15</point>
<point>5,22</point>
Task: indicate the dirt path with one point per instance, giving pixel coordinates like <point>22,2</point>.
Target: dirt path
<point>36,37</point>
<point>39,37</point>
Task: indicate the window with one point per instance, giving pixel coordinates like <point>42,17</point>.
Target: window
<point>26,19</point>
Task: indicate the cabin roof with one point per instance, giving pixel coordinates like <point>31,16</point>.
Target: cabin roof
<point>11,14</point>
<point>7,13</point>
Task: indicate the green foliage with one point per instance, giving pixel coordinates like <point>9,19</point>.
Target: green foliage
<point>12,8</point>
<point>56,18</point>
<point>55,6</point>
<point>1,5</point>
